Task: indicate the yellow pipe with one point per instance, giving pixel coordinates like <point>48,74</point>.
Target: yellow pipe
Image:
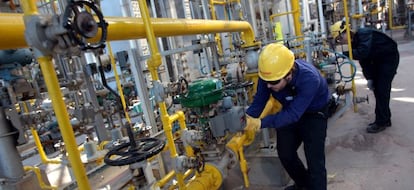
<point>62,116</point>
<point>296,17</point>
<point>348,33</point>
<point>160,183</point>
<point>121,28</point>
<point>118,83</point>
<point>181,120</point>
<point>390,22</point>
<point>254,77</point>
<point>36,170</point>
<point>42,154</point>
<point>243,166</point>
<point>236,144</point>
<point>38,143</point>
<point>210,179</point>
<point>12,31</point>
<point>29,7</point>
<point>281,14</point>
<point>217,37</point>
<point>155,61</point>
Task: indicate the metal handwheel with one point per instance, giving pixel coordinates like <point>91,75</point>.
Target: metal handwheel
<point>127,154</point>
<point>81,24</point>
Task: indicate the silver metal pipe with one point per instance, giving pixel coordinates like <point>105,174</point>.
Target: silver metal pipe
<point>341,111</point>
<point>266,137</point>
<point>253,15</point>
<point>11,166</point>
<point>321,19</point>
<point>137,70</point>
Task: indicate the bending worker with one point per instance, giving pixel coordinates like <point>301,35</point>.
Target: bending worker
<point>379,58</point>
<point>304,96</point>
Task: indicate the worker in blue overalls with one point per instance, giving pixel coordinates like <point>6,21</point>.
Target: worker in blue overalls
<point>304,96</point>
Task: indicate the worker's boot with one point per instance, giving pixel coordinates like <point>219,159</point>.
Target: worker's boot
<point>375,128</point>
<point>387,124</point>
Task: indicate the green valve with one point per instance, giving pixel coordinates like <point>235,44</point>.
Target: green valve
<point>202,92</point>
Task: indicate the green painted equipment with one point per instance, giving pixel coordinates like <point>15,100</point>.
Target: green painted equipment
<point>202,92</point>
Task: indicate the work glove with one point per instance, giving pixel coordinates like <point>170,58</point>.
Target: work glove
<point>252,124</point>
<point>252,127</point>
<point>370,84</point>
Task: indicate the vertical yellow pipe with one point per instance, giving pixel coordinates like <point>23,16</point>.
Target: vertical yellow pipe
<point>348,33</point>
<point>296,17</point>
<point>62,116</point>
<point>181,119</point>
<point>155,61</point>
<point>29,7</point>
<point>52,84</point>
<point>217,35</point>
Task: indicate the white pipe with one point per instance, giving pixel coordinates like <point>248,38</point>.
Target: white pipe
<point>262,20</point>
<point>321,19</point>
<point>253,15</point>
<point>361,11</point>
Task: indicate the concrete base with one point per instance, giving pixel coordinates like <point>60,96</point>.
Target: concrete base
<point>265,170</point>
<point>28,181</point>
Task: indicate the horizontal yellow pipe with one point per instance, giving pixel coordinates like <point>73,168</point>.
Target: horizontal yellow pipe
<point>12,31</point>
<point>126,28</point>
<point>281,14</point>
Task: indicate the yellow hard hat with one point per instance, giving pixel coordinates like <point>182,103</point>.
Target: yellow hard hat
<point>337,28</point>
<point>275,62</point>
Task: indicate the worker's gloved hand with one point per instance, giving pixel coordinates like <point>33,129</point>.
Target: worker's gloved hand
<point>252,124</point>
<point>370,84</point>
<point>252,127</point>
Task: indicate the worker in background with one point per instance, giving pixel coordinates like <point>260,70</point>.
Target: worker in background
<point>304,96</point>
<point>379,58</point>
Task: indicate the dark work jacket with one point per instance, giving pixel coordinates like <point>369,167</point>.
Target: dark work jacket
<point>373,49</point>
<point>307,92</point>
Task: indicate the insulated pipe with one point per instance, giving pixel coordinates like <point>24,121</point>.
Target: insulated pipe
<point>125,28</point>
<point>11,166</point>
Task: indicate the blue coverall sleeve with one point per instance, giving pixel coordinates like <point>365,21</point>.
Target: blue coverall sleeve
<point>259,100</point>
<point>306,90</point>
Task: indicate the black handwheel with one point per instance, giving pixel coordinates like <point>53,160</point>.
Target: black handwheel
<point>81,24</point>
<point>127,154</point>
